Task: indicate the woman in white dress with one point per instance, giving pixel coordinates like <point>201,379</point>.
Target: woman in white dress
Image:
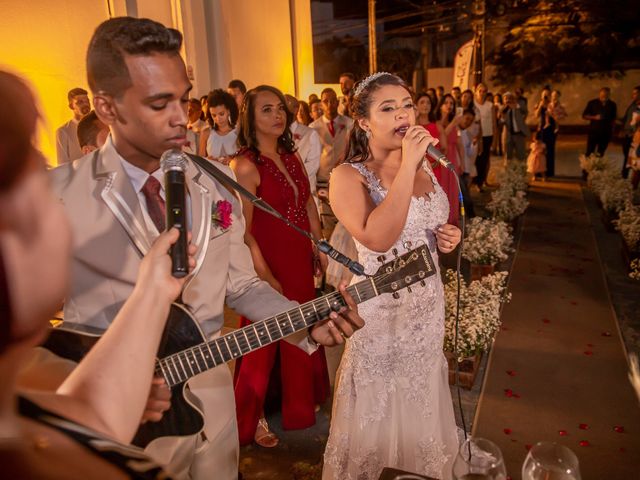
<point>219,142</point>
<point>392,405</point>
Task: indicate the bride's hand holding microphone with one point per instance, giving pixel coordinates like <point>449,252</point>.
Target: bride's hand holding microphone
<point>414,145</point>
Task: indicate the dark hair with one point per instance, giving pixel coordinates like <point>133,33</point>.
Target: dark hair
<point>348,75</point>
<point>114,39</point>
<point>470,111</point>
<point>455,88</point>
<point>239,84</point>
<point>312,102</point>
<point>76,92</point>
<point>18,119</point>
<point>247,130</point>
<point>418,97</point>
<point>219,97</point>
<point>306,112</point>
<point>439,108</point>
<point>328,90</point>
<point>88,129</point>
<point>195,101</point>
<point>358,148</point>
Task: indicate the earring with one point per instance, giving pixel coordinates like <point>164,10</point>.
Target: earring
<point>368,134</point>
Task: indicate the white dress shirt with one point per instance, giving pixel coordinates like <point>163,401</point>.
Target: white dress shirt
<point>309,148</point>
<point>67,145</point>
<point>485,112</point>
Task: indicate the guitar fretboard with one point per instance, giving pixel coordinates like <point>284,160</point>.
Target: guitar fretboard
<point>181,366</point>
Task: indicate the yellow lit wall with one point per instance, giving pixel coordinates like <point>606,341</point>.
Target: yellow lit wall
<point>45,42</point>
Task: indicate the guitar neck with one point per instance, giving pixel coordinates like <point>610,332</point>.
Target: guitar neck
<point>181,366</point>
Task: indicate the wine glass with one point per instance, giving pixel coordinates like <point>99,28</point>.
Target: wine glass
<point>479,459</point>
<point>550,461</point>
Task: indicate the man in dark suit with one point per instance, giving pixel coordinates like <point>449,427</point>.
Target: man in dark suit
<point>515,130</point>
<point>601,112</point>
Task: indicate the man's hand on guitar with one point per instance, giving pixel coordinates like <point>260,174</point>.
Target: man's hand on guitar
<point>159,401</point>
<point>340,325</point>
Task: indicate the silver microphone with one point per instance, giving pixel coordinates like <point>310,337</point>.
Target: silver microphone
<point>439,157</point>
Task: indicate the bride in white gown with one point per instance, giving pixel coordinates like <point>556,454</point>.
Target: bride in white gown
<point>392,405</point>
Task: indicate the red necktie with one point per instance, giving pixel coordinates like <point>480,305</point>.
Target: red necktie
<point>332,130</point>
<point>155,203</point>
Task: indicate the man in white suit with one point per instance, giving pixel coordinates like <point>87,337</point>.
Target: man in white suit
<point>67,146</point>
<point>114,198</point>
<point>307,142</point>
<point>333,130</point>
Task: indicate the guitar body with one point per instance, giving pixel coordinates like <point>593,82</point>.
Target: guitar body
<point>181,333</point>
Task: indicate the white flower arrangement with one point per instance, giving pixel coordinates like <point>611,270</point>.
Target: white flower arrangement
<point>600,179</point>
<point>479,320</point>
<point>628,224</point>
<point>488,241</point>
<point>635,269</point>
<point>514,177</point>
<point>614,194</point>
<point>506,205</point>
<point>593,163</point>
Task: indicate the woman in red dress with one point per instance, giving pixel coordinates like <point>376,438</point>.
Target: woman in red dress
<point>268,166</point>
<point>445,129</point>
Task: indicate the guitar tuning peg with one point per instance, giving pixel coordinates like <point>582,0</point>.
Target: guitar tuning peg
<point>395,295</point>
<point>407,244</point>
<point>409,289</point>
<point>423,283</point>
<point>382,258</point>
<point>395,252</point>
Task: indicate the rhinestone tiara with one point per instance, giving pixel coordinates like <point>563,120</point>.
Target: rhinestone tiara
<point>363,84</point>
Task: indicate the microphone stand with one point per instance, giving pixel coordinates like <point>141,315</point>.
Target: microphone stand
<point>323,246</point>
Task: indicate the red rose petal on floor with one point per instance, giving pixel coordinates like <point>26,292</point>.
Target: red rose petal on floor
<point>507,431</point>
<point>562,433</point>
<point>528,447</point>
<point>546,320</point>
<point>584,443</point>
<point>588,353</point>
<point>606,334</point>
<point>514,440</point>
<point>508,392</point>
<point>511,373</point>
<point>574,302</point>
<point>590,345</point>
<point>619,429</point>
<point>583,426</point>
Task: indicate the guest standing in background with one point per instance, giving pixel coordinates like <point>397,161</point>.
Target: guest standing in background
<point>67,146</point>
<point>219,142</point>
<point>484,113</point>
<point>315,109</point>
<point>92,133</point>
<point>195,126</point>
<point>346,84</point>
<point>496,145</point>
<point>601,113</point>
<point>628,130</point>
<point>522,101</point>
<point>537,161</point>
<point>269,167</point>
<point>515,130</point>
<point>424,110</point>
<point>547,127</point>
<point>307,143</point>
<point>237,90</point>
<point>446,130</point>
<point>303,115</point>
<point>456,93</point>
<point>432,95</point>
<point>469,152</point>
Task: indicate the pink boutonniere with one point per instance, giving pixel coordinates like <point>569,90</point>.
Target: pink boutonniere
<point>297,136</point>
<point>342,126</point>
<point>221,215</point>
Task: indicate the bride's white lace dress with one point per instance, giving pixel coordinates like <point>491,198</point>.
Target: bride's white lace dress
<point>392,405</point>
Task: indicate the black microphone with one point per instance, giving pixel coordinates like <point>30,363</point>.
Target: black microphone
<point>439,157</point>
<point>174,164</point>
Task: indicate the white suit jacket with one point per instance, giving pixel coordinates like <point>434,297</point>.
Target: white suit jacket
<point>110,239</point>
<point>67,145</point>
<point>333,147</point>
<point>309,148</point>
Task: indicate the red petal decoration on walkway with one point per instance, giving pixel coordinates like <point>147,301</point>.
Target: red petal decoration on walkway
<point>507,431</point>
<point>573,302</point>
<point>588,352</point>
<point>562,433</point>
<point>606,334</point>
<point>511,373</point>
<point>619,429</point>
<point>528,446</point>
<point>508,392</point>
<point>583,426</point>
<point>585,443</point>
<point>546,320</point>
